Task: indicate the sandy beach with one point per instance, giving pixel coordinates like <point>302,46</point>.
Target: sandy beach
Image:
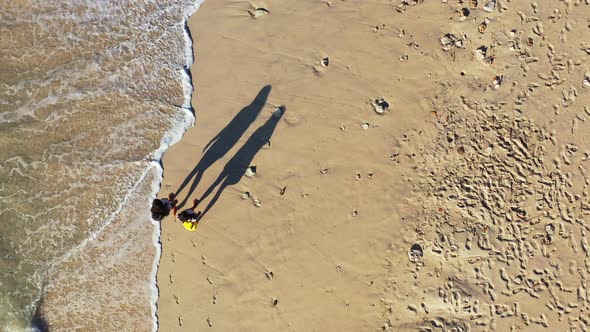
<point>413,166</point>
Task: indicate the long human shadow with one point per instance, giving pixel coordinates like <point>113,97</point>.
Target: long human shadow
<point>236,167</point>
<point>224,141</point>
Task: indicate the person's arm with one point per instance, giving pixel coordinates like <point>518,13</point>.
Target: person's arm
<point>174,206</point>
<point>195,203</point>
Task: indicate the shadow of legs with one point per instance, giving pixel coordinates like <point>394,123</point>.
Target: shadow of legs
<point>187,180</point>
<point>192,188</point>
<point>221,178</point>
<point>216,197</point>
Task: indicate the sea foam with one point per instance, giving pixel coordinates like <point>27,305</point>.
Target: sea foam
<point>173,137</point>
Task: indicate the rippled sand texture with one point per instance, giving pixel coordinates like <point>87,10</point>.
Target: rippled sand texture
<point>88,90</point>
<point>463,206</point>
<point>504,186</point>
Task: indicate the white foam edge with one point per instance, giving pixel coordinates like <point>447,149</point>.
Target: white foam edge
<point>175,136</point>
<point>170,138</point>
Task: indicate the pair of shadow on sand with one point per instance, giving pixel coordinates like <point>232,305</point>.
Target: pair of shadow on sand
<point>224,141</point>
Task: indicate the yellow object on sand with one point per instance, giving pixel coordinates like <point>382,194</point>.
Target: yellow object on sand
<point>190,226</point>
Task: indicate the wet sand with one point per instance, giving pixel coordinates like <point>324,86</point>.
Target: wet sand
<point>428,172</point>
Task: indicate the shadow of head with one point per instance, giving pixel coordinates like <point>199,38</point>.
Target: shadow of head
<point>229,136</point>
<point>266,131</point>
<point>249,113</point>
<point>259,138</point>
<point>262,95</point>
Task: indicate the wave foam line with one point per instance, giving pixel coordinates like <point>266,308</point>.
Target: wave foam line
<point>188,88</point>
<point>171,138</point>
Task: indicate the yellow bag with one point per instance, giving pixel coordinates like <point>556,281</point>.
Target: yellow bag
<point>190,226</point>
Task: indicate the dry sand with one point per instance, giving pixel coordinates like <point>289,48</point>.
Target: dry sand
<point>462,207</point>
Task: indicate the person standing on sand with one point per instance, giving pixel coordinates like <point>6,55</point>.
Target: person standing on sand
<point>162,207</point>
<point>189,217</point>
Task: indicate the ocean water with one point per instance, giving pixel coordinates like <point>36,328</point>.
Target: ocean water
<point>91,94</point>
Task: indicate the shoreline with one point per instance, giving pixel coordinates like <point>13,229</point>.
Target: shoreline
<point>176,136</point>
<point>94,111</point>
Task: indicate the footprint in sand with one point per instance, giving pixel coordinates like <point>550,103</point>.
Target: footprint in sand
<point>258,12</point>
<point>380,106</point>
<point>464,14</point>
<point>490,6</point>
<point>425,307</point>
<point>270,275</point>
<point>255,201</point>
<point>416,252</point>
<point>251,171</point>
<point>484,25</point>
<point>320,67</point>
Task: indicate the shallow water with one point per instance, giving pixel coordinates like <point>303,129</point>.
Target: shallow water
<point>91,93</point>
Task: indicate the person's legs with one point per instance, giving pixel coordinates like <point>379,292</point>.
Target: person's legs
<point>196,202</point>
<point>172,198</point>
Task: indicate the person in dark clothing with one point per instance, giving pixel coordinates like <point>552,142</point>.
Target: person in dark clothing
<point>189,217</point>
<point>162,207</point>
<point>189,214</point>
